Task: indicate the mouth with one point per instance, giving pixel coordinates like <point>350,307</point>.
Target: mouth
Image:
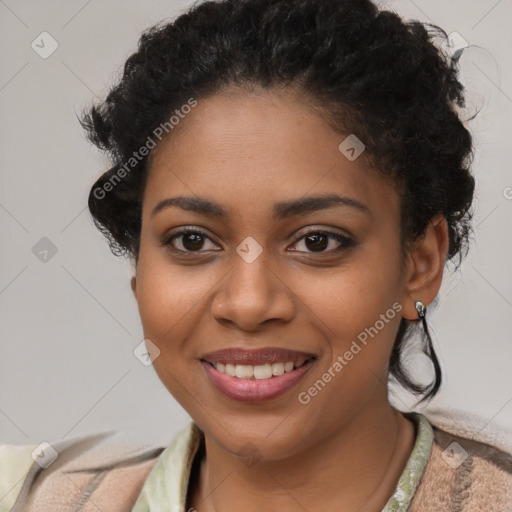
<point>256,375</point>
<point>260,371</point>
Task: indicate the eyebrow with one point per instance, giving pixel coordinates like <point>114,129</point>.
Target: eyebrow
<point>281,210</point>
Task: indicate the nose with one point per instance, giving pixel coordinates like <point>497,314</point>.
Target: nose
<point>251,294</point>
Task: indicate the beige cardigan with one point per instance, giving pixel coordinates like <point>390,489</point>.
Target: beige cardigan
<point>482,483</point>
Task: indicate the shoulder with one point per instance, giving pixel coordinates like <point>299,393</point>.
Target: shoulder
<point>167,483</point>
<point>60,475</point>
<point>463,473</point>
<point>15,462</point>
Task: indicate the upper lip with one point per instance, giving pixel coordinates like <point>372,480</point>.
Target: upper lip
<point>256,356</point>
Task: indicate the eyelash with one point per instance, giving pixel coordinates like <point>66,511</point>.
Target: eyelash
<point>344,241</point>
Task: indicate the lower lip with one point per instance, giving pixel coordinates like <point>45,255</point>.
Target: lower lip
<point>257,390</point>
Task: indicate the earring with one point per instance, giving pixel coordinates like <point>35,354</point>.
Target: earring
<point>428,350</point>
<point>421,309</point>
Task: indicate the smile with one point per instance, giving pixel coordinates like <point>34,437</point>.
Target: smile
<point>256,374</point>
<point>259,372</point>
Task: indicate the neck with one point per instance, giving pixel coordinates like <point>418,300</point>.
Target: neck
<point>356,468</point>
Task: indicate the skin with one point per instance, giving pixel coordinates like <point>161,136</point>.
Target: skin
<point>347,447</point>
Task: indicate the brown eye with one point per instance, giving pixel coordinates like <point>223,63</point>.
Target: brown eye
<point>324,242</point>
<point>192,241</point>
<point>317,242</point>
<point>189,241</point>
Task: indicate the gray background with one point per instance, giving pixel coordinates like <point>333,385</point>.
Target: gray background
<point>69,325</point>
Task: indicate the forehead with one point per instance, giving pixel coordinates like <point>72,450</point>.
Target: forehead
<point>260,148</point>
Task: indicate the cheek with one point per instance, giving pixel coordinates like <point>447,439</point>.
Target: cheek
<point>170,306</point>
<point>358,310</point>
<point>170,299</point>
<point>354,297</point>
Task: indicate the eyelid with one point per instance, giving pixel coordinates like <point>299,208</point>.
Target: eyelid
<point>345,240</point>
<point>301,233</point>
<point>183,230</point>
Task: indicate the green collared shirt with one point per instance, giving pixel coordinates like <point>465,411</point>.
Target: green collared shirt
<point>166,486</point>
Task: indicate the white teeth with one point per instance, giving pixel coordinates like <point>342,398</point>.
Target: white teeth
<point>263,371</point>
<point>288,367</point>
<point>244,371</point>
<point>259,372</point>
<point>278,369</point>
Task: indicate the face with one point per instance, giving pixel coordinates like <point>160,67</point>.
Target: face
<point>282,268</point>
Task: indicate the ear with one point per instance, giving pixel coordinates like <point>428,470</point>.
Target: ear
<point>133,284</point>
<point>425,265</point>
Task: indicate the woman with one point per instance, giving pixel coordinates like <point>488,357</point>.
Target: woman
<point>289,179</point>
